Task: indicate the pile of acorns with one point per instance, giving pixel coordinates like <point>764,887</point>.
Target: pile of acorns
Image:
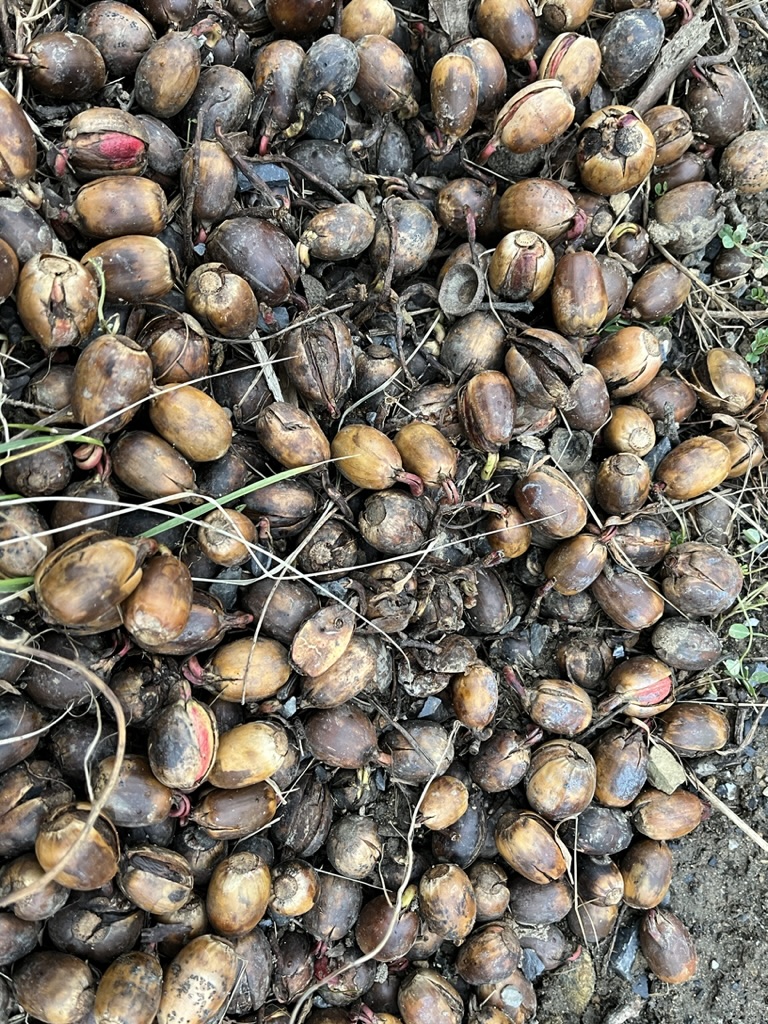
<point>330,395</point>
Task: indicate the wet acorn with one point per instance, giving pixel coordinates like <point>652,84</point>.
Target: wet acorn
<point>628,360</point>
<point>694,467</point>
<point>642,686</point>
<point>487,412</point>
<point>129,990</point>
<point>54,987</point>
<point>112,376</point>
<point>579,298</point>
<point>120,205</point>
<point>134,268</point>
<point>549,500</point>
<point>666,816</point>
<point>701,580</point>
<point>530,846</point>
<point>561,779</point>
<point>57,300</point>
<point>540,205</point>
<point>723,382</point>
<point>621,761</point>
<point>659,292</point>
<point>688,217</point>
<point>94,863</point>
<point>198,981</point>
<point>629,46</point>
<point>224,299</point>
<point>454,88</point>
<point>535,116</point>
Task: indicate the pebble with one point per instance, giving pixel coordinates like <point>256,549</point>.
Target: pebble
<point>664,770</point>
<point>625,950</point>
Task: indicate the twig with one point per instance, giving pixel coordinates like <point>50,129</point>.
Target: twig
<point>686,44</point>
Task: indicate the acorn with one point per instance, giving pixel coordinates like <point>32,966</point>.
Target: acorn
<point>628,360</point>
<point>165,152</point>
<point>19,875</point>
<point>100,141</point>
<point>54,987</point>
<point>616,149</point>
<point>353,846</point>
<point>668,815</point>
<point>501,761</point>
<point>258,251</point>
<point>512,28</point>
<point>120,205</point>
<point>445,800</point>
<point>530,846</point>
<point>491,72</point>
<point>694,467</point>
<point>622,484</point>
<point>121,34</point>
<point>376,921</point>
<point>171,473</point>
<point>95,862</point>
<point>561,779</point>
<point>209,183</point>
<point>560,15</point>
<point>447,902</point>
<point>692,729</point>
<point>414,241</point>
<point>508,532</point>
<point>167,74</point>
<point>340,232</point>
<point>235,813</point>
<point>178,347</point>
<point>294,888</point>
<point>701,580</point>
<point>112,377</point>
<point>427,453</point>
<point>23,548</point>
<point>573,59</point>
<point>659,292</point>
<point>539,205</point>
<point>57,300</point>
<point>641,686</point>
<point>368,17</point>
<point>688,217</point>
<point>590,922</point>
<point>224,299</point>
<point>342,737</point>
<point>683,644</point>
<point>421,751</point>
<point>630,44</point>
<point>475,696</point>
<point>719,105</point>
<point>460,202</point>
<point>489,882</point>
<point>134,268</point>
<point>238,893</point>
<point>328,72</point>
<point>579,298</point>
<point>745,448</point>
<point>646,868</point>
<point>666,396</point>
<point>386,80</point>
<point>535,116</point>
<point>454,88</point>
<point>629,429</point>
<point>275,78</point>
<point>426,995</point>
<point>129,990</point>
<point>292,436</point>
<point>336,909</point>
<point>183,742</point>
<point>672,132</point>
<point>632,243</point>
<point>198,981</point>
<point>487,406</point>
<point>138,798</point>
<point>193,422</point>
<point>668,947</point>
<point>249,753</point>
<point>82,583</point>
<point>156,880</point>
<point>18,151</point>
<point>521,267</point>
<point>724,382</point>
<point>548,499</point>
<point>63,65</point>
<point>621,763</point>
<point>561,707</point>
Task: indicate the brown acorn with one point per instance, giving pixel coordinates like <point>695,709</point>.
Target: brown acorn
<point>57,300</point>
<point>579,298</point>
<point>192,422</point>
<point>454,88</point>
<point>616,150</point>
<point>224,299</point>
<point>129,990</point>
<point>198,981</point>
<point>668,815</point>
<point>112,377</point>
<point>367,458</point>
<point>120,205</point>
<point>694,467</point>
<point>572,58</point>
<point>548,499</point>
<point>668,947</point>
<point>521,266</point>
<point>291,436</point>
<point>82,583</point>
<point>135,268</point>
<point>94,863</point>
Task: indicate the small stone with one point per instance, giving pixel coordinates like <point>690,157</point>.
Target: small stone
<point>625,950</point>
<point>664,770</point>
<point>714,965</point>
<point>567,991</point>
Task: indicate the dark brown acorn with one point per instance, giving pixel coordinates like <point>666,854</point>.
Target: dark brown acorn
<point>260,252</point>
<point>668,947</point>
<point>487,412</point>
<point>616,149</point>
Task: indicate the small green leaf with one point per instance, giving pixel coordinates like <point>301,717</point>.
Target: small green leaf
<point>739,631</point>
<point>733,667</point>
<point>759,677</point>
<point>13,586</point>
<point>752,536</point>
<point>740,233</point>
